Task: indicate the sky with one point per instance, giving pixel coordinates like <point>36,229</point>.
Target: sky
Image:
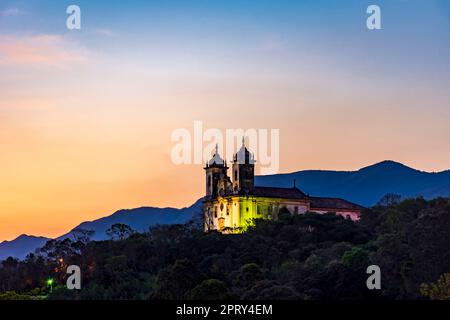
<point>86,116</point>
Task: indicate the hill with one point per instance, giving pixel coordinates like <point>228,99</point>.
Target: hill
<point>21,246</point>
<point>367,185</point>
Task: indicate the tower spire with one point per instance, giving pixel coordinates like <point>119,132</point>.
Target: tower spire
<point>243,141</point>
<point>217,148</point>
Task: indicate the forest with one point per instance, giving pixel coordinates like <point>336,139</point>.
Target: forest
<point>306,257</point>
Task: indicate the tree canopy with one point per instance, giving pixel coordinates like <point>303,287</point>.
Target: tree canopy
<point>309,256</point>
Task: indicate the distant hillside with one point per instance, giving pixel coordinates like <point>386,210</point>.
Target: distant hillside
<point>21,246</point>
<point>140,219</point>
<point>367,185</point>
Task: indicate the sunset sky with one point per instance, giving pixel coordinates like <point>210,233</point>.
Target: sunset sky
<point>86,115</point>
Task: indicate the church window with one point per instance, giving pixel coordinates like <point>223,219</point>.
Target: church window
<point>296,209</point>
<point>235,174</point>
<point>246,209</point>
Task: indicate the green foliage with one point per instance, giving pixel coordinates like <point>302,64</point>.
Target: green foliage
<point>270,290</point>
<point>12,295</point>
<point>174,281</point>
<point>211,289</point>
<point>440,290</point>
<point>284,215</point>
<point>119,231</point>
<point>389,199</point>
<point>308,256</point>
<point>356,259</point>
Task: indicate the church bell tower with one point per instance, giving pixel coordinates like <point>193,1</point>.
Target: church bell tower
<point>215,170</point>
<point>243,170</point>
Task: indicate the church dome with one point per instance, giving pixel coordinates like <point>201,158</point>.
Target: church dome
<point>243,156</point>
<point>216,160</point>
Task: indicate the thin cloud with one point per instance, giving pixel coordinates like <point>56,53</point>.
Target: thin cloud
<point>40,50</point>
<point>102,32</point>
<point>11,12</point>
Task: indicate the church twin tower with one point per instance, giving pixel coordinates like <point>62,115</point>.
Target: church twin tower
<point>243,174</point>
<point>232,204</point>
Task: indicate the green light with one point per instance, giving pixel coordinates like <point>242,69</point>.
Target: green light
<point>50,282</point>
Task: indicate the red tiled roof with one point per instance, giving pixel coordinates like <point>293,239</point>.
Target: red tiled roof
<point>333,203</point>
<point>285,193</point>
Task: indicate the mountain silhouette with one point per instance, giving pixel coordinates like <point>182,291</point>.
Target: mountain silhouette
<point>139,219</point>
<point>21,246</point>
<point>365,187</point>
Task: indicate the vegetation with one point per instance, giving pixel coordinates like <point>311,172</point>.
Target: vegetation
<point>308,256</point>
<point>439,290</point>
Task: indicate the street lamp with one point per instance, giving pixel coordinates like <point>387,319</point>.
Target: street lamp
<point>50,284</point>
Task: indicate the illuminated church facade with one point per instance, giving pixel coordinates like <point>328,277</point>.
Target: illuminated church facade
<point>231,204</point>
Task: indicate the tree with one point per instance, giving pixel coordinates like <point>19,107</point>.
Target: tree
<point>270,290</point>
<point>357,259</point>
<point>57,249</point>
<point>389,199</point>
<point>211,289</point>
<point>248,275</point>
<point>119,231</point>
<point>174,281</point>
<point>307,256</point>
<point>82,235</point>
<point>440,290</point>
<point>284,215</point>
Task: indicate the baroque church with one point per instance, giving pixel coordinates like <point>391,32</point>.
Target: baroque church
<point>231,204</point>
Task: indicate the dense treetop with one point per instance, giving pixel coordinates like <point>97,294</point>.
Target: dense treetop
<point>308,256</point>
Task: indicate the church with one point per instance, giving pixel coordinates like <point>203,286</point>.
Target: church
<point>231,204</point>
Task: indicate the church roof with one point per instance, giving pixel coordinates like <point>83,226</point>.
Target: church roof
<point>315,202</point>
<point>333,203</point>
<point>243,156</point>
<point>216,160</point>
<point>274,192</point>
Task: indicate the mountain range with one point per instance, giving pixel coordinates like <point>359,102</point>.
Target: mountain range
<point>139,219</point>
<point>365,187</point>
<point>21,246</point>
